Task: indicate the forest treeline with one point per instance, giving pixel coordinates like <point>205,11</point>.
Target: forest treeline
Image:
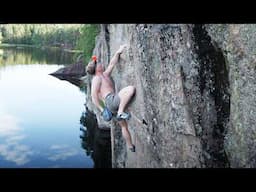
<point>66,36</point>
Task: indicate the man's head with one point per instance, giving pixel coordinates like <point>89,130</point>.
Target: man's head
<point>91,67</point>
<point>94,67</point>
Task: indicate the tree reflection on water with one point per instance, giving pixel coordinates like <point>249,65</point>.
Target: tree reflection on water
<point>95,140</point>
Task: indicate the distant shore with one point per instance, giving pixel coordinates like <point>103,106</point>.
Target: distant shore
<point>20,46</point>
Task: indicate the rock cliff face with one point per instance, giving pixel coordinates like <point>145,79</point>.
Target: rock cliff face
<point>238,44</point>
<point>195,90</point>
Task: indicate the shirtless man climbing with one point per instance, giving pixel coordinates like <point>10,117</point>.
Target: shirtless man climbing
<point>103,89</point>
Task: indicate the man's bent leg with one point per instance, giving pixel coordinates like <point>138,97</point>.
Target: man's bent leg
<point>125,96</point>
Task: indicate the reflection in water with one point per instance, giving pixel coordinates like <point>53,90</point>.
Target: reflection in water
<point>36,110</point>
<point>11,149</point>
<point>30,55</point>
<point>96,141</point>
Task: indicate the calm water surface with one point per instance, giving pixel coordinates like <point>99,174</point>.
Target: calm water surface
<point>40,115</point>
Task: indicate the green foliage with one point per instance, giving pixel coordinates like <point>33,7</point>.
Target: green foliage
<point>86,41</point>
<point>59,35</point>
<point>66,36</point>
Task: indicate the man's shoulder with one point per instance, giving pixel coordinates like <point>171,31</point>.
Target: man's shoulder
<point>106,74</point>
<point>96,78</point>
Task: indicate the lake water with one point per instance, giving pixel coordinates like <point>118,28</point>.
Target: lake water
<point>40,115</point>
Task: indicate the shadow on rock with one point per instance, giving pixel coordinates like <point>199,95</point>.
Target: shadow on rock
<point>95,140</point>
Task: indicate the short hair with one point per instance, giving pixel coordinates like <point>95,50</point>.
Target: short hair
<point>90,68</point>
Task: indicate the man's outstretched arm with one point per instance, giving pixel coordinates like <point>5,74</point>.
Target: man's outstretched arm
<point>94,92</point>
<point>114,60</point>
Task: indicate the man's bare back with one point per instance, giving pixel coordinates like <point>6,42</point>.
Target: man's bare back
<point>102,85</point>
<point>106,85</point>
